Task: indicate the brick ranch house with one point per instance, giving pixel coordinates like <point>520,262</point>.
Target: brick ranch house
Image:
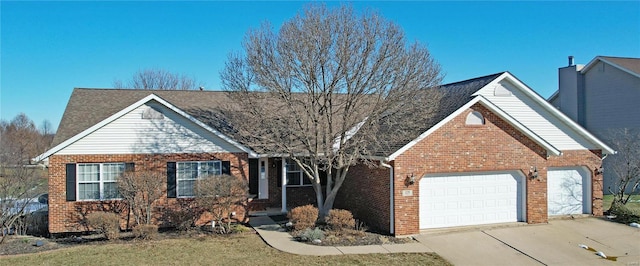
<point>494,152</point>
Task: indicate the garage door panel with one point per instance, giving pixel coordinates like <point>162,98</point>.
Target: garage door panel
<point>568,191</point>
<point>471,199</point>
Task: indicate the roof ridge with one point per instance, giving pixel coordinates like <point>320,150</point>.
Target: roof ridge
<point>473,79</point>
<point>618,57</point>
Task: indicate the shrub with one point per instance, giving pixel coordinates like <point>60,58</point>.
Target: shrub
<point>624,214</point>
<point>107,223</point>
<point>182,216</point>
<point>146,231</point>
<point>303,217</point>
<point>239,228</point>
<point>220,195</point>
<point>340,219</point>
<point>311,234</point>
<point>38,223</point>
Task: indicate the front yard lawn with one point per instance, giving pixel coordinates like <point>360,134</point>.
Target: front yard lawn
<point>633,204</point>
<point>244,249</point>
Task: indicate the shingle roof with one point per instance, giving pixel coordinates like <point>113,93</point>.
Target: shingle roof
<point>632,64</point>
<point>87,107</point>
<point>454,96</point>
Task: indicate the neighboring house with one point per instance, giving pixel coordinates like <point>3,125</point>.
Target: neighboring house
<point>602,97</point>
<point>495,152</point>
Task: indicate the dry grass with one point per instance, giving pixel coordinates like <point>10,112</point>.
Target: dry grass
<point>206,250</point>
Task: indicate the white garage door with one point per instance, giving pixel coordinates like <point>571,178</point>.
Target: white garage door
<point>470,199</point>
<point>568,191</point>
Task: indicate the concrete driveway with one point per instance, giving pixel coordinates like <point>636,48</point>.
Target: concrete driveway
<point>556,243</point>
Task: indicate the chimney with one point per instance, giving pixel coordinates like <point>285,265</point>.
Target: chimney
<point>571,60</point>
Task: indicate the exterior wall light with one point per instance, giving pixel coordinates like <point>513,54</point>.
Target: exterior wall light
<point>410,180</point>
<point>533,172</point>
<point>599,170</point>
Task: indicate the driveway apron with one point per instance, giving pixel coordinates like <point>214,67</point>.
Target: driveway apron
<point>556,243</point>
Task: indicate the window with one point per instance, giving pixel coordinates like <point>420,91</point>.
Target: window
<point>474,118</point>
<point>98,181</point>
<point>295,176</point>
<point>188,172</point>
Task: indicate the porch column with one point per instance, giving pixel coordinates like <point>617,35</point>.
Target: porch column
<point>284,185</point>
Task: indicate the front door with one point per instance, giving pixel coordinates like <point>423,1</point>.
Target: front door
<point>263,178</point>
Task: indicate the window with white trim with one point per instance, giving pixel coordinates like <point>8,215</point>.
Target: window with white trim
<point>188,172</point>
<point>295,175</point>
<point>98,181</point>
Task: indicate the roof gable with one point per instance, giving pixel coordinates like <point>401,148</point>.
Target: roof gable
<point>150,98</point>
<point>626,64</point>
<point>472,94</point>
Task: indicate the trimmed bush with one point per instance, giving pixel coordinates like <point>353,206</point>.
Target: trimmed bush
<point>310,235</point>
<point>340,219</point>
<point>107,223</point>
<point>146,231</point>
<point>303,217</point>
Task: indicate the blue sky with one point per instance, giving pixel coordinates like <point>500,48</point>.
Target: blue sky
<point>48,48</point>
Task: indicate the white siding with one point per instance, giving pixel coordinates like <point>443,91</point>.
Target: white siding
<point>133,134</point>
<point>533,116</point>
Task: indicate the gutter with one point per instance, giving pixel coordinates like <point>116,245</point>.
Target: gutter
<point>391,203</point>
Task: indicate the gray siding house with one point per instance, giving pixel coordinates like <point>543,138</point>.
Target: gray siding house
<point>602,96</point>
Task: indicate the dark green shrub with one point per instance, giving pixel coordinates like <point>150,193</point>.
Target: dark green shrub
<point>624,214</point>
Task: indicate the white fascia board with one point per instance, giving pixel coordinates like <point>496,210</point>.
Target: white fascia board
<point>131,108</point>
<point>560,115</point>
<point>599,58</point>
<point>494,109</point>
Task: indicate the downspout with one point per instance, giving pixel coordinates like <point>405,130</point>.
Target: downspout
<point>284,185</point>
<point>391,203</point>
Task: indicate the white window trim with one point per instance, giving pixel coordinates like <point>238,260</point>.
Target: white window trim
<point>178,179</point>
<point>100,181</point>
<point>301,174</point>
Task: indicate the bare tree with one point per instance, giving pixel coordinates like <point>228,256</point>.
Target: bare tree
<point>625,164</point>
<point>46,130</point>
<point>20,180</point>
<point>159,79</point>
<point>140,189</point>
<point>219,195</point>
<point>330,89</point>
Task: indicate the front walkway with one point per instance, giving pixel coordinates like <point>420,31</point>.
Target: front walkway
<point>279,239</point>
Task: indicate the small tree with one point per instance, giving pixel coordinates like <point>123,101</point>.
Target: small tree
<point>219,195</point>
<point>140,190</point>
<point>624,165</point>
<point>158,79</point>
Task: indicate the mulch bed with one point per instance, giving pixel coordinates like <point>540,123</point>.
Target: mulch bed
<point>346,237</point>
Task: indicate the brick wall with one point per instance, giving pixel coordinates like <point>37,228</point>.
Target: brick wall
<point>66,216</point>
<point>365,192</point>
<point>495,146</point>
